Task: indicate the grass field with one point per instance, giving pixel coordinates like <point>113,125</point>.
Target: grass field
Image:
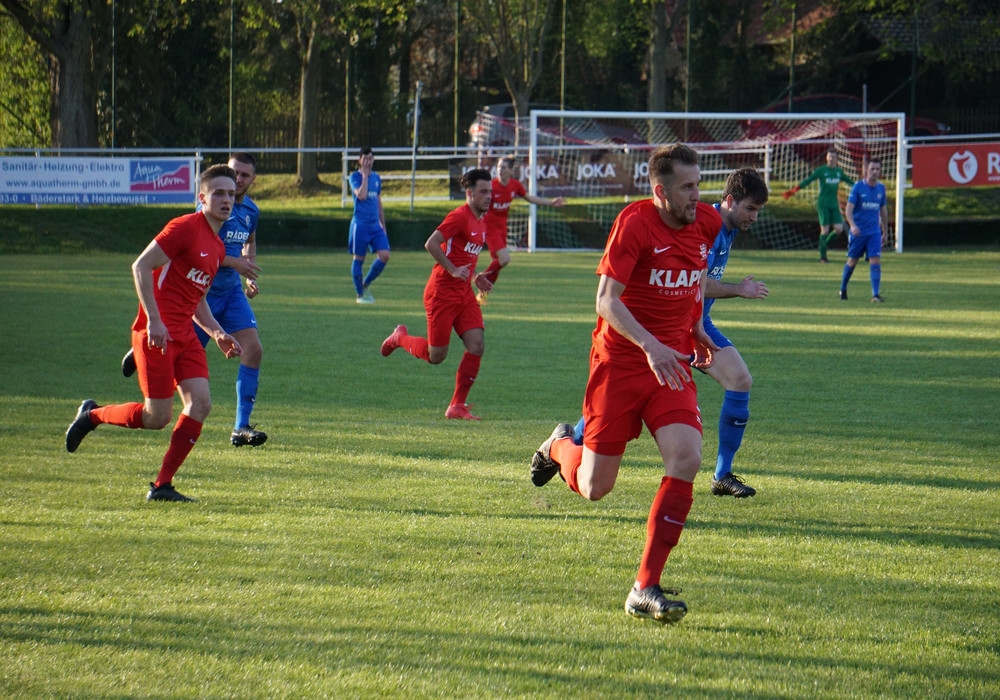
<point>372,548</point>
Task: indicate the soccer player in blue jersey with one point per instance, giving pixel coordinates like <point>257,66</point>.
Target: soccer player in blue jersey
<point>744,196</point>
<point>868,216</point>
<point>367,226</point>
<point>230,305</point>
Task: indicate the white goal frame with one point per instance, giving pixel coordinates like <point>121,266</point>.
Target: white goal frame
<point>534,149</point>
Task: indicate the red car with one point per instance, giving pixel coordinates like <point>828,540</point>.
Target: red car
<point>848,104</point>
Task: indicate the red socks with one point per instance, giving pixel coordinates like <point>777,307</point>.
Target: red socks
<point>663,529</point>
<point>468,370</point>
<point>493,271</point>
<point>568,455</point>
<point>416,346</point>
<point>182,441</point>
<point>126,415</point>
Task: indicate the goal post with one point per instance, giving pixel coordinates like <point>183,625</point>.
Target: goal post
<point>598,161</point>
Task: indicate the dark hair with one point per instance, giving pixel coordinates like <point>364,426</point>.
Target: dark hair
<point>661,163</point>
<point>214,171</point>
<point>873,160</point>
<point>470,178</point>
<point>365,151</point>
<point>508,159</point>
<point>746,183</point>
<point>245,158</point>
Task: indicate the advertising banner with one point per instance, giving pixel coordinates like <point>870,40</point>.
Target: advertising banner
<point>57,180</point>
<point>956,165</point>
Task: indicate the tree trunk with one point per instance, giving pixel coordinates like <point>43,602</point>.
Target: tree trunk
<point>307,174</point>
<point>76,65</point>
<point>656,85</point>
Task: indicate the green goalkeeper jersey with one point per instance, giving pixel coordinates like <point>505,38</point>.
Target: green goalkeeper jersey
<point>829,180</point>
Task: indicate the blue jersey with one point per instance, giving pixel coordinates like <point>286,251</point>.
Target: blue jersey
<point>234,233</point>
<point>718,257</point>
<point>868,202</point>
<point>366,210</point>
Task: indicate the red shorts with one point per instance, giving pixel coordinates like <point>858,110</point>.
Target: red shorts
<point>620,398</point>
<point>446,312</point>
<point>159,373</point>
<point>496,238</point>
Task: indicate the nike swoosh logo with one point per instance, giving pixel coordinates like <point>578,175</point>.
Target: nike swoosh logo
<point>204,255</point>
<point>657,251</point>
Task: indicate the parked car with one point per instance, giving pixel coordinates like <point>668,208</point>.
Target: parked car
<point>495,127</point>
<point>813,138</point>
<point>849,104</point>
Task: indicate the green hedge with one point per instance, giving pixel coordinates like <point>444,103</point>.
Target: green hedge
<point>49,230</point>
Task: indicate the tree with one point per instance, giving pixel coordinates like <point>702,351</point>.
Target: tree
<point>516,31</point>
<point>71,33</point>
<point>312,28</point>
<point>23,93</point>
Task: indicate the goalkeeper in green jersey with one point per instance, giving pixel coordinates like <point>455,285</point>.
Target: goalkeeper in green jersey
<point>827,207</point>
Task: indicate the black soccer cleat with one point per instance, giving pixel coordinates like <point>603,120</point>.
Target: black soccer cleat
<point>731,485</point>
<point>843,295</point>
<point>128,363</point>
<point>247,436</point>
<point>80,426</point>
<point>166,492</point>
<point>650,603</point>
<point>542,466</point>
<point>877,299</point>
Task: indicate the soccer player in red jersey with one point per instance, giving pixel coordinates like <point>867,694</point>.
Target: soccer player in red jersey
<point>448,297</point>
<point>649,333</point>
<point>505,188</point>
<point>172,276</point>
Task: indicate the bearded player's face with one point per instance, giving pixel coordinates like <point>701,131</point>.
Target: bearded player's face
<point>680,195</point>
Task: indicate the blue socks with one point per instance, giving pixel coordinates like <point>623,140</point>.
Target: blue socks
<point>848,271</point>
<point>374,271</point>
<point>356,274</point>
<point>876,272</point>
<point>578,432</point>
<point>732,424</point>
<point>246,394</point>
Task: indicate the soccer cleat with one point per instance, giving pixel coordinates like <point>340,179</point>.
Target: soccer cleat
<point>166,492</point>
<point>481,298</point>
<point>542,466</point>
<point>128,363</point>
<point>843,295</point>
<point>877,299</point>
<point>80,426</point>
<point>392,342</point>
<point>247,436</point>
<point>460,411</point>
<point>731,485</point>
<point>651,604</point>
<point>823,260</point>
<point>366,298</point>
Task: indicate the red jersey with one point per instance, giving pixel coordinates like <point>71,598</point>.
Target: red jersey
<point>195,252</point>
<point>503,195</point>
<point>464,238</point>
<point>662,269</point>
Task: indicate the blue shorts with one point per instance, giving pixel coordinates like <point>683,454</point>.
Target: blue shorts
<point>869,244</point>
<point>715,334</point>
<point>365,237</point>
<point>232,310</point>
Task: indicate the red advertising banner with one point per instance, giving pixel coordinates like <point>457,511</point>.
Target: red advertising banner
<point>956,165</point>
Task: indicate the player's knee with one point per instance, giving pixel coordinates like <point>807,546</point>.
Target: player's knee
<point>595,489</point>
<point>742,382</point>
<point>436,355</point>
<point>155,419</point>
<point>253,352</point>
<point>383,255</point>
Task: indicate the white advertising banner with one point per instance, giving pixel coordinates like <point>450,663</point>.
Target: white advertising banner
<point>57,180</point>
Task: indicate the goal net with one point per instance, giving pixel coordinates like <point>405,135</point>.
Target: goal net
<point>598,162</point>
